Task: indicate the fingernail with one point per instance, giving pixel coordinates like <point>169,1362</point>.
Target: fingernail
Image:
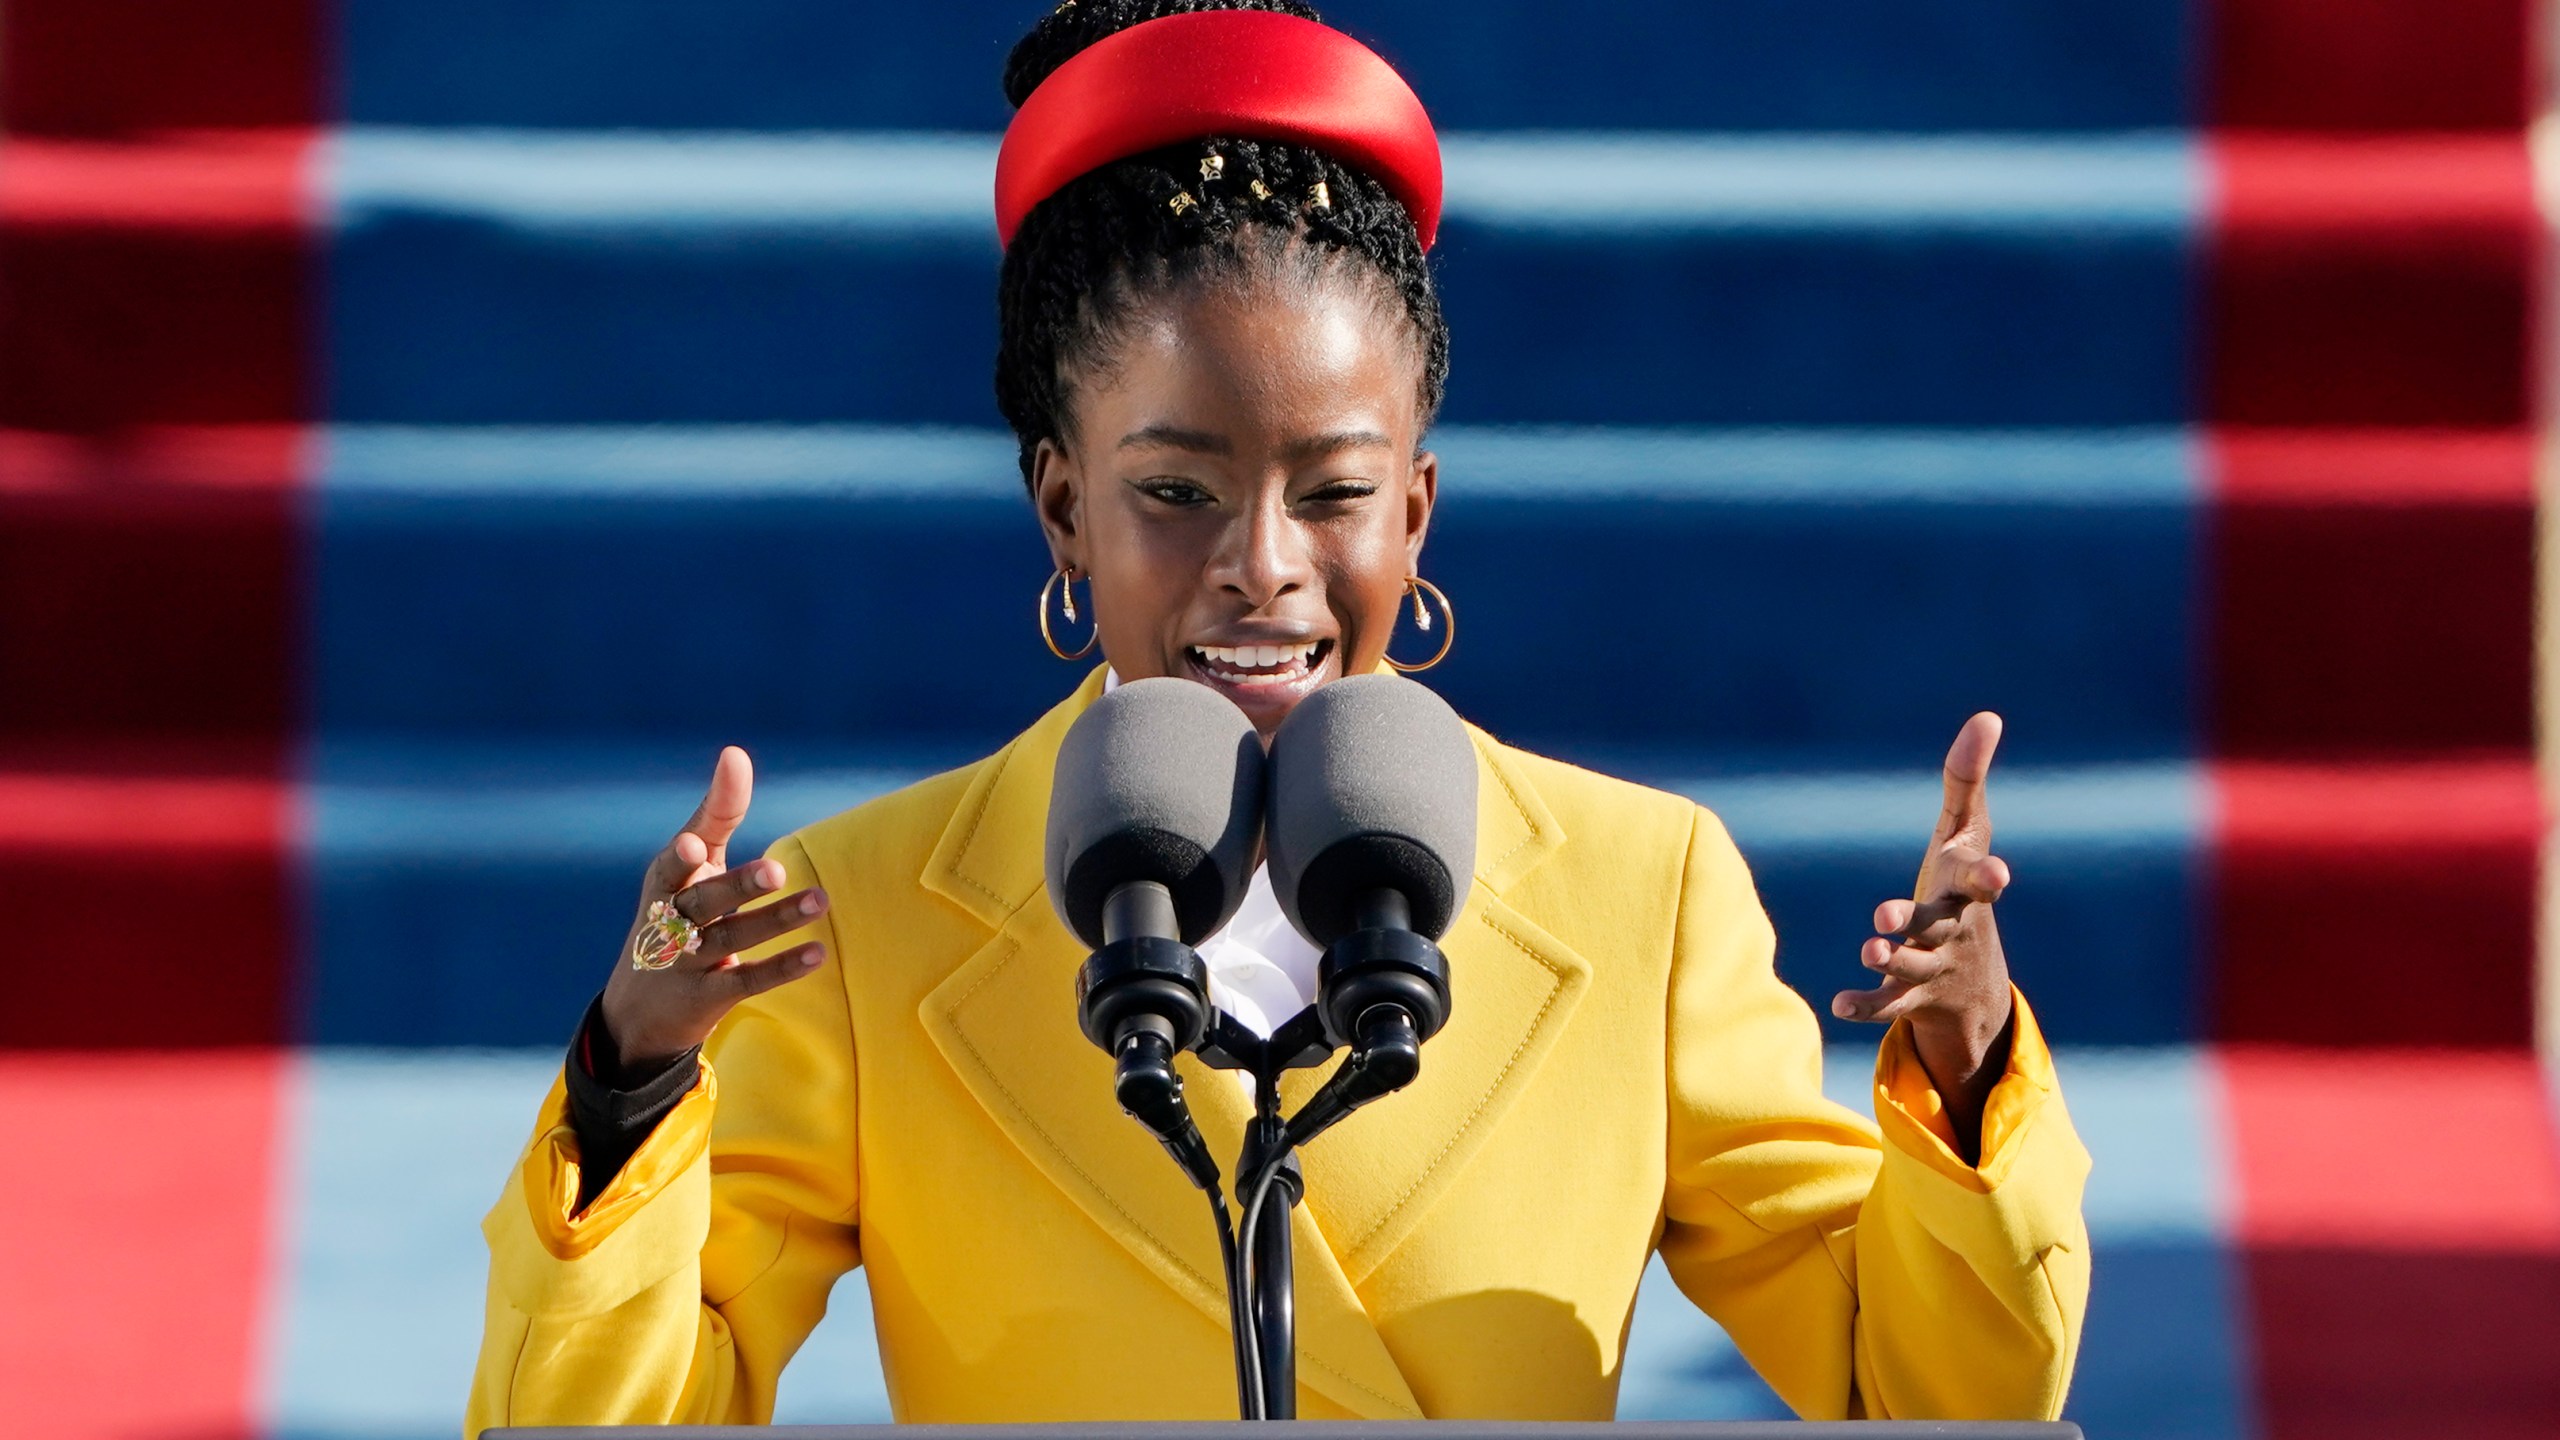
<point>811,904</point>
<point>1840,1007</point>
<point>810,960</point>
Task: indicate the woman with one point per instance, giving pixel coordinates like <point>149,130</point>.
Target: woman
<point>1221,355</point>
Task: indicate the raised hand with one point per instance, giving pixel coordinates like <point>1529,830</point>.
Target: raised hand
<point>1939,951</point>
<point>656,1014</point>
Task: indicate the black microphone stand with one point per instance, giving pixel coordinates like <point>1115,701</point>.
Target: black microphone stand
<point>1261,1268</point>
<point>1383,990</point>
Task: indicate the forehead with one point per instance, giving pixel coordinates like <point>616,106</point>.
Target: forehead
<point>1284,352</point>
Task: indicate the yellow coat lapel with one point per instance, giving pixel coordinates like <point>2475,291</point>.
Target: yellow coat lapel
<point>1005,1021</point>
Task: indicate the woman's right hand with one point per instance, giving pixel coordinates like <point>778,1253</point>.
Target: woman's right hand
<point>655,1015</point>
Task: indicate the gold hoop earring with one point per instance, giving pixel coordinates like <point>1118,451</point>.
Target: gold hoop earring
<point>1066,574</point>
<point>1416,587</point>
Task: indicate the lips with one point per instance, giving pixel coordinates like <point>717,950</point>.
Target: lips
<point>1260,664</point>
<point>1264,681</point>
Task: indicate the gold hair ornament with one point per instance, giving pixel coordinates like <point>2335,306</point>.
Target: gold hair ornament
<point>1416,587</point>
<point>1066,574</point>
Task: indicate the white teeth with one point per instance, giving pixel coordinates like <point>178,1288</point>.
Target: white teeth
<point>1258,657</point>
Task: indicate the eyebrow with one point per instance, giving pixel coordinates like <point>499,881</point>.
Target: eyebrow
<point>1201,442</point>
<point>1169,437</point>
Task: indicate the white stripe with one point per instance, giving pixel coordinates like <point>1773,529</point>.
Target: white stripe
<point>446,804</point>
<point>1716,182</point>
<point>1565,466</point>
<point>2136,806</point>
<point>941,185</point>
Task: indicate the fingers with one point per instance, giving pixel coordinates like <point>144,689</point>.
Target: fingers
<point>708,899</point>
<point>1983,880</point>
<point>680,863</point>
<point>750,928</point>
<point>1881,1006</point>
<point>1967,806</point>
<point>704,840</point>
<point>757,976</point>
<point>724,803</point>
<point>1932,922</point>
<point>1907,963</point>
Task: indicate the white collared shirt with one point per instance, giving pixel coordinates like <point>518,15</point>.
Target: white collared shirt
<point>1261,970</point>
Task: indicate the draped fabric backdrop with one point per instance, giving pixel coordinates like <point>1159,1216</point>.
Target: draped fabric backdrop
<point>429,427</point>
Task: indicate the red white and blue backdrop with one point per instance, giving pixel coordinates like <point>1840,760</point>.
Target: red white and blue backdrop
<point>429,427</point>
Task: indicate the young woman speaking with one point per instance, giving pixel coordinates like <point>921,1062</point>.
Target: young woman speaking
<point>1222,352</point>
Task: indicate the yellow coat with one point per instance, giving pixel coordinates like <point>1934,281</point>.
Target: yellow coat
<point>1622,1069</point>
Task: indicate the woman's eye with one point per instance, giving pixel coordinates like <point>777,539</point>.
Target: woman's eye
<point>1340,491</point>
<point>1176,492</point>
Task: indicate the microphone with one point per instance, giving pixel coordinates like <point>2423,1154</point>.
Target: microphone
<point>1153,816</point>
<point>1372,840</point>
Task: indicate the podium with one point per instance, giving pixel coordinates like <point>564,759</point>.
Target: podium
<point>1345,1431</point>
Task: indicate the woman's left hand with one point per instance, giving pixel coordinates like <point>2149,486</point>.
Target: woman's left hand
<point>1939,951</point>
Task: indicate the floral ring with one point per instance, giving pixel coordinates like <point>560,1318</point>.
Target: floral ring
<point>665,935</point>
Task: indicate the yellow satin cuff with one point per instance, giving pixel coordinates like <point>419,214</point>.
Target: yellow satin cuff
<point>1914,1116</point>
<point>551,1169</point>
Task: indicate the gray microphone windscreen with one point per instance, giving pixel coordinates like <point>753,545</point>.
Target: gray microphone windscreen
<point>1160,780</point>
<point>1373,787</point>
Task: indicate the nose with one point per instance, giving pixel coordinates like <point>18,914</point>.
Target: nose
<point>1263,555</point>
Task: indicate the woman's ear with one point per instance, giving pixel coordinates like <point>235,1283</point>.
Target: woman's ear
<point>1057,496</point>
<point>1420,494</point>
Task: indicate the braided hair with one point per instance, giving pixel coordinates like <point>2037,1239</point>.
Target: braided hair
<point>1085,257</point>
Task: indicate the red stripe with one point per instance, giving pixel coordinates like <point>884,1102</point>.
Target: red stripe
<point>152,579</point>
<point>194,871</point>
<point>104,67</point>
<point>2400,1225</point>
<point>2372,591</point>
<point>2376,904</point>
<point>138,1210</point>
<point>2373,64</point>
<point>2373,281</point>
<point>156,283</point>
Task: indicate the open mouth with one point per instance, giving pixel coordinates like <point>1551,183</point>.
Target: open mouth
<point>1251,666</point>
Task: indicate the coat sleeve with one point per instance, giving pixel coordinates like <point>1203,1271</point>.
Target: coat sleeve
<point>1863,1274</point>
<point>679,1293</point>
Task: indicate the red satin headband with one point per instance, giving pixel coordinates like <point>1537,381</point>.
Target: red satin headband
<point>1247,73</point>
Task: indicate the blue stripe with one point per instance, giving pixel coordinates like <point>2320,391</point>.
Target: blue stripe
<point>1778,564</point>
<point>2101,925</point>
<point>2105,924</point>
<point>1653,64</point>
<point>1619,279</point>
